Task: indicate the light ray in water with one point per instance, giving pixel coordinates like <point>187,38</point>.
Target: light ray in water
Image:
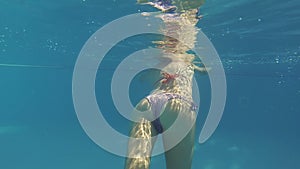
<point>27,66</point>
<point>230,74</point>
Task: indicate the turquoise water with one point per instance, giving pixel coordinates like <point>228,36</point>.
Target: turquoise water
<point>258,43</point>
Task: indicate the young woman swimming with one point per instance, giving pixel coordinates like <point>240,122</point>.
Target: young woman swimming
<point>173,96</point>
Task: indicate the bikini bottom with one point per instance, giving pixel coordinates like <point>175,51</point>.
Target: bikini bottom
<point>157,103</point>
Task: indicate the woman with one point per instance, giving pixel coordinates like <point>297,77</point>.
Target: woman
<point>173,96</point>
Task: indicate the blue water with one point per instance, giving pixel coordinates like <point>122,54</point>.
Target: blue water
<point>258,43</point>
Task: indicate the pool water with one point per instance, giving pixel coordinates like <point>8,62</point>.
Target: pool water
<point>258,43</point>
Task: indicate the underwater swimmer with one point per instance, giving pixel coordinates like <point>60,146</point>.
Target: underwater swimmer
<point>172,98</point>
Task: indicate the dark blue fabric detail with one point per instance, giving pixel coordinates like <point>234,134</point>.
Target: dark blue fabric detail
<point>158,126</point>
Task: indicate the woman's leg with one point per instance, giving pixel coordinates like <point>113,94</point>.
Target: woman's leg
<point>180,156</point>
<point>139,151</point>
